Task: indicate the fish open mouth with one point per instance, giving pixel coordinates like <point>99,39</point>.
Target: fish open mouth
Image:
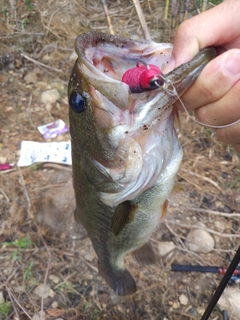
<point>105,59</point>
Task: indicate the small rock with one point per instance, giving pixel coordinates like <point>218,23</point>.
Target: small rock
<point>165,247</point>
<point>183,300</point>
<point>3,159</point>
<point>50,96</point>
<point>217,240</point>
<point>73,56</point>
<point>200,311</point>
<point>54,305</point>
<point>48,106</point>
<point>42,290</point>
<point>175,305</point>
<point>65,100</point>
<point>218,204</point>
<point>90,254</point>
<point>41,315</point>
<point>54,278</point>
<point>32,76</point>
<point>88,276</point>
<point>51,293</point>
<point>219,226</point>
<point>229,301</point>
<point>199,240</point>
<point>20,289</point>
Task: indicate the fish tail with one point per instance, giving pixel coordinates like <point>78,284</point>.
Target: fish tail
<point>121,281</point>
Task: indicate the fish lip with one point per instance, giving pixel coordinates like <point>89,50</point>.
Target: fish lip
<point>183,76</point>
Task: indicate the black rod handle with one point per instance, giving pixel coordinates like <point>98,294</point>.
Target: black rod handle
<point>189,268</point>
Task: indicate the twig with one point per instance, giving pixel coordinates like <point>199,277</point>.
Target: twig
<point>57,166</point>
<point>89,264</point>
<point>12,302</point>
<point>7,249</point>
<point>25,193</point>
<point>64,281</point>
<point>12,297</point>
<point>217,213</point>
<point>7,171</point>
<point>189,181</point>
<point>20,306</point>
<point>29,111</point>
<point>204,178</point>
<point>47,271</point>
<point>4,194</point>
<point>204,5</point>
<point>224,235</point>
<point>174,9</point>
<point>56,185</point>
<point>40,63</point>
<point>105,8</point>
<point>186,10</point>
<point>166,10</point>
<point>142,19</point>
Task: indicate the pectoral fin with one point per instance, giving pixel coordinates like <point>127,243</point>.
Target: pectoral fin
<point>144,255</point>
<point>123,215</point>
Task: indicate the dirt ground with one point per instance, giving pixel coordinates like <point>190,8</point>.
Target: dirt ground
<point>48,269</point>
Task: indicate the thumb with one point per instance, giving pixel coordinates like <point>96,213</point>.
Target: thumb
<point>206,29</point>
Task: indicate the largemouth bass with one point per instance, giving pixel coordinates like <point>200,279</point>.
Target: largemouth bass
<point>125,151</point>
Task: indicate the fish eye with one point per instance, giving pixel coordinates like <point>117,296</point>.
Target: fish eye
<point>77,102</point>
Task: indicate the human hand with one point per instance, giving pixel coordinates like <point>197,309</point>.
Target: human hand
<point>215,95</point>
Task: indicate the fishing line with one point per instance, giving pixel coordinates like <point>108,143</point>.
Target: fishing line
<point>173,92</point>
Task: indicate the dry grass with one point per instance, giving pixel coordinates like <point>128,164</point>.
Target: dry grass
<point>37,203</point>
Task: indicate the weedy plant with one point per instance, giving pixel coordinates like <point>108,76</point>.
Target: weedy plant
<point>28,272</point>
<point>180,10</point>
<point>5,310</point>
<point>29,5</point>
<point>22,244</point>
<point>235,183</point>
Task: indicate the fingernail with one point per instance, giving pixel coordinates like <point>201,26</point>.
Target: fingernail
<point>233,64</point>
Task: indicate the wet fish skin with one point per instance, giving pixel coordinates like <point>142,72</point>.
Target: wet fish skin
<point>125,150</point>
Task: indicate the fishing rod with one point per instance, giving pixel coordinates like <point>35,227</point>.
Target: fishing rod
<point>231,274</point>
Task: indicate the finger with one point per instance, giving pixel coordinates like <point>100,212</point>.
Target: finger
<point>229,135</point>
<point>206,29</point>
<point>215,81</point>
<point>222,112</point>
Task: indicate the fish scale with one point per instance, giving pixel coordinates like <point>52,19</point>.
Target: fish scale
<point>125,150</point>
